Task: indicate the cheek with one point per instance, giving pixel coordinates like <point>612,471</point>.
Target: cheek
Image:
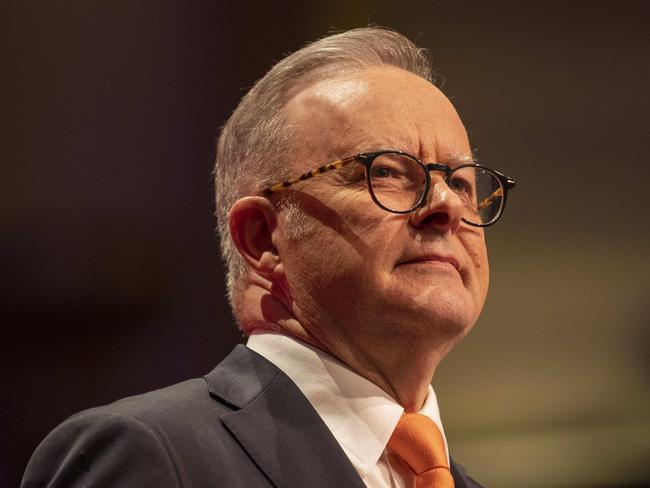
<point>319,259</point>
<point>477,252</point>
<point>344,241</point>
<point>364,230</point>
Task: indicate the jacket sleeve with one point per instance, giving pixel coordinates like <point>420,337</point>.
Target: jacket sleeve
<point>98,448</point>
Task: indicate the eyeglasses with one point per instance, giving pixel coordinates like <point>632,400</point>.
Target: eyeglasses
<point>400,183</point>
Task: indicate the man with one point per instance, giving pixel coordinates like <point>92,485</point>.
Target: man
<point>352,281</point>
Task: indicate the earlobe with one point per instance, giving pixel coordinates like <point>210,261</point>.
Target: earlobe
<point>252,221</point>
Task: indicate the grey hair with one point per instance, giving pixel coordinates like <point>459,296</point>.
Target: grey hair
<point>255,137</point>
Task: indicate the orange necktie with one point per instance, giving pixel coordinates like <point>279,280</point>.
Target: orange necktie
<point>418,443</point>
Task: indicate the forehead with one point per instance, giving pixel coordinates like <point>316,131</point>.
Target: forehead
<point>379,107</point>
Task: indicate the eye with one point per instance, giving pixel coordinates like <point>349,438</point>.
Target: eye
<point>392,168</point>
<point>396,172</point>
<point>383,172</point>
<point>460,185</point>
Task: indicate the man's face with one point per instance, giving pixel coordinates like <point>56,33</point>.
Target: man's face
<point>359,276</point>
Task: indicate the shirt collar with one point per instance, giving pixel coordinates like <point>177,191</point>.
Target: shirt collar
<point>360,415</point>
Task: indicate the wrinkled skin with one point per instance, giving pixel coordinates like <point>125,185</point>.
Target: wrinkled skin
<point>372,288</point>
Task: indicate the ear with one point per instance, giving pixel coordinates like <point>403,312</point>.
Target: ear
<point>252,221</point>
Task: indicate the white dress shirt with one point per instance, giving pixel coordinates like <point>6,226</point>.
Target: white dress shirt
<point>360,415</point>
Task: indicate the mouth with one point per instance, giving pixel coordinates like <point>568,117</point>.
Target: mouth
<point>433,259</point>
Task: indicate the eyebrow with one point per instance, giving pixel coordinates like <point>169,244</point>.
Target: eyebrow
<point>460,159</point>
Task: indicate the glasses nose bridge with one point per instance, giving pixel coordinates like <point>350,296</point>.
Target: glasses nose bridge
<point>443,168</point>
<point>432,185</point>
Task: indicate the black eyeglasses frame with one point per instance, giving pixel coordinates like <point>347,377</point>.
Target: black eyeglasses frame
<point>367,158</point>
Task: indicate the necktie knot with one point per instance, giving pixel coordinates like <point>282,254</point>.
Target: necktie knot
<point>418,442</point>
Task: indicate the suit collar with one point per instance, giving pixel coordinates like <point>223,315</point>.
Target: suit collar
<point>278,428</point>
<point>275,424</point>
<point>360,415</point>
<point>239,378</point>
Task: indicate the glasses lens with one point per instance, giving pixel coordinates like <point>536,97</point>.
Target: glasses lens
<point>397,181</point>
<point>481,191</point>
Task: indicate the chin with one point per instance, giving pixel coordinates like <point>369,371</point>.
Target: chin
<point>449,312</point>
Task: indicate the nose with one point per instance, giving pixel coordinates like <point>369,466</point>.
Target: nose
<point>442,211</point>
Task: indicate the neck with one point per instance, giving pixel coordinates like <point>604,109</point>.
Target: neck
<point>404,371</point>
<point>403,368</point>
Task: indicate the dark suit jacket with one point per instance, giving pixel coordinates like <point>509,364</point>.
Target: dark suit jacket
<point>245,424</point>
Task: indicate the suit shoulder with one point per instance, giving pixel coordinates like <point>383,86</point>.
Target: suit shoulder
<point>174,412</point>
<point>169,402</point>
<point>99,447</point>
<point>130,435</point>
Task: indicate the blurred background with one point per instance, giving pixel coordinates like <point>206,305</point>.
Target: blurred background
<point>111,279</point>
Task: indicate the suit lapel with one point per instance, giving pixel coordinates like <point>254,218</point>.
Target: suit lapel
<point>276,425</point>
<point>461,479</point>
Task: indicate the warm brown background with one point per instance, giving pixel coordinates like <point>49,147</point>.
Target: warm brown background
<point>111,282</point>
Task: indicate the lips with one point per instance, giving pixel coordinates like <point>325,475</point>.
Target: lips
<point>433,258</point>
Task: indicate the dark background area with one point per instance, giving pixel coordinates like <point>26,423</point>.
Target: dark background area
<point>111,279</point>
